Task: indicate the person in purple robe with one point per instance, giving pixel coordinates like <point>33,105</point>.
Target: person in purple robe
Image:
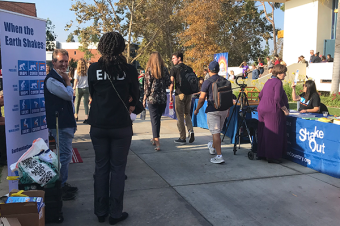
<point>272,112</point>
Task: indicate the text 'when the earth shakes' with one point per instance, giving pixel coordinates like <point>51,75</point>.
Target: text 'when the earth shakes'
<point>25,42</point>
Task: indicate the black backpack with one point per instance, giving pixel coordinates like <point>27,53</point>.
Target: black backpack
<point>222,94</point>
<point>188,80</point>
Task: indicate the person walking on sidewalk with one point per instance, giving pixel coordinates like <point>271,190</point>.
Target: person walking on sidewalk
<point>58,95</point>
<point>157,79</point>
<point>112,82</point>
<point>182,101</point>
<point>81,86</point>
<point>215,117</point>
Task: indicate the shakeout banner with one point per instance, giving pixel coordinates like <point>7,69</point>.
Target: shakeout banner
<point>23,58</point>
<point>314,144</point>
<point>222,59</point>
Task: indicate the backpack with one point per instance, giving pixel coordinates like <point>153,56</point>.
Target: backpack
<point>222,94</point>
<point>188,80</point>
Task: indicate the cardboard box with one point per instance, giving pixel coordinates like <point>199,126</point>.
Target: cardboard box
<point>38,200</point>
<point>9,222</point>
<point>27,213</point>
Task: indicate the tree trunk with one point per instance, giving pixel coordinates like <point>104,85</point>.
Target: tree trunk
<point>336,63</point>
<point>170,50</point>
<point>130,30</point>
<point>274,31</point>
<point>271,20</point>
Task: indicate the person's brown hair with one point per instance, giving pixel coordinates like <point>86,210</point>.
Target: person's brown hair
<point>155,65</point>
<point>58,51</point>
<point>48,69</point>
<point>81,67</point>
<point>279,69</point>
<point>71,72</point>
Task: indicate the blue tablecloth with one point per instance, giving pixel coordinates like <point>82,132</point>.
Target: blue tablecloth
<point>166,112</point>
<point>314,144</point>
<point>200,120</point>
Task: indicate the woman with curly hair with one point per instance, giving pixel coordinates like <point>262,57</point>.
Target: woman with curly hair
<point>113,86</point>
<point>81,86</point>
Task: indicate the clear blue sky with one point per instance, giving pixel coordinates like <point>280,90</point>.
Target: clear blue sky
<point>59,13</point>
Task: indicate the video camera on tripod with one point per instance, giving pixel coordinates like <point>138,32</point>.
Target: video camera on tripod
<point>242,86</point>
<point>242,123</point>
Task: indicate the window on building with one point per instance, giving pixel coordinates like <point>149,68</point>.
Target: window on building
<point>75,52</point>
<point>325,81</point>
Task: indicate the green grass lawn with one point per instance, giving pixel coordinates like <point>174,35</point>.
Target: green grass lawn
<point>332,111</point>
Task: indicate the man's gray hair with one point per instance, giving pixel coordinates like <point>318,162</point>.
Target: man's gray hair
<point>58,51</point>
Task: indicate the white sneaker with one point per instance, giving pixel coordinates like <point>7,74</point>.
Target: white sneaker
<point>210,143</point>
<point>211,149</point>
<point>217,160</point>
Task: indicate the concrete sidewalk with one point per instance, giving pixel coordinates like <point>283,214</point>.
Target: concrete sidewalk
<point>179,186</point>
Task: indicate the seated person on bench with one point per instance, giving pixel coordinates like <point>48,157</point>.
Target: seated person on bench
<point>309,99</point>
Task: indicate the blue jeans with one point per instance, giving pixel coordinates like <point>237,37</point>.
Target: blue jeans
<point>65,147</point>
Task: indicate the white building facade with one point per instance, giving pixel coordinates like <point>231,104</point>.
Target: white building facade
<point>308,25</point>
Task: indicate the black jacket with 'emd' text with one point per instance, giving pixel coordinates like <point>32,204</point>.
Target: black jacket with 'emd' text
<point>107,110</point>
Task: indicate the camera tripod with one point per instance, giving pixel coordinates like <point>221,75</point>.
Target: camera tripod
<point>242,123</point>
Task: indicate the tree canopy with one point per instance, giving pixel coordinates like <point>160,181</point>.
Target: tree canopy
<point>50,35</point>
<point>70,38</point>
<point>198,28</point>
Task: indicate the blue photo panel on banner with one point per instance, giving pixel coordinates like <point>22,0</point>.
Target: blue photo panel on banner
<point>42,86</point>
<point>24,87</point>
<point>34,87</point>
<point>26,126</point>
<point>33,68</point>
<point>23,47</point>
<point>25,107</point>
<point>35,107</point>
<point>42,68</point>
<point>36,124</point>
<point>43,122</point>
<point>42,104</point>
<point>222,59</point>
<point>22,68</point>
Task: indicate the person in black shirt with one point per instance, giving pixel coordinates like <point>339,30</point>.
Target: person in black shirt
<point>311,59</point>
<point>113,86</point>
<point>182,101</point>
<point>215,117</point>
<point>309,99</point>
<point>316,58</point>
<point>329,58</point>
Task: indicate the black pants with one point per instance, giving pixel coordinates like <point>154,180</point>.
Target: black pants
<point>156,111</point>
<point>3,151</point>
<point>111,147</point>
